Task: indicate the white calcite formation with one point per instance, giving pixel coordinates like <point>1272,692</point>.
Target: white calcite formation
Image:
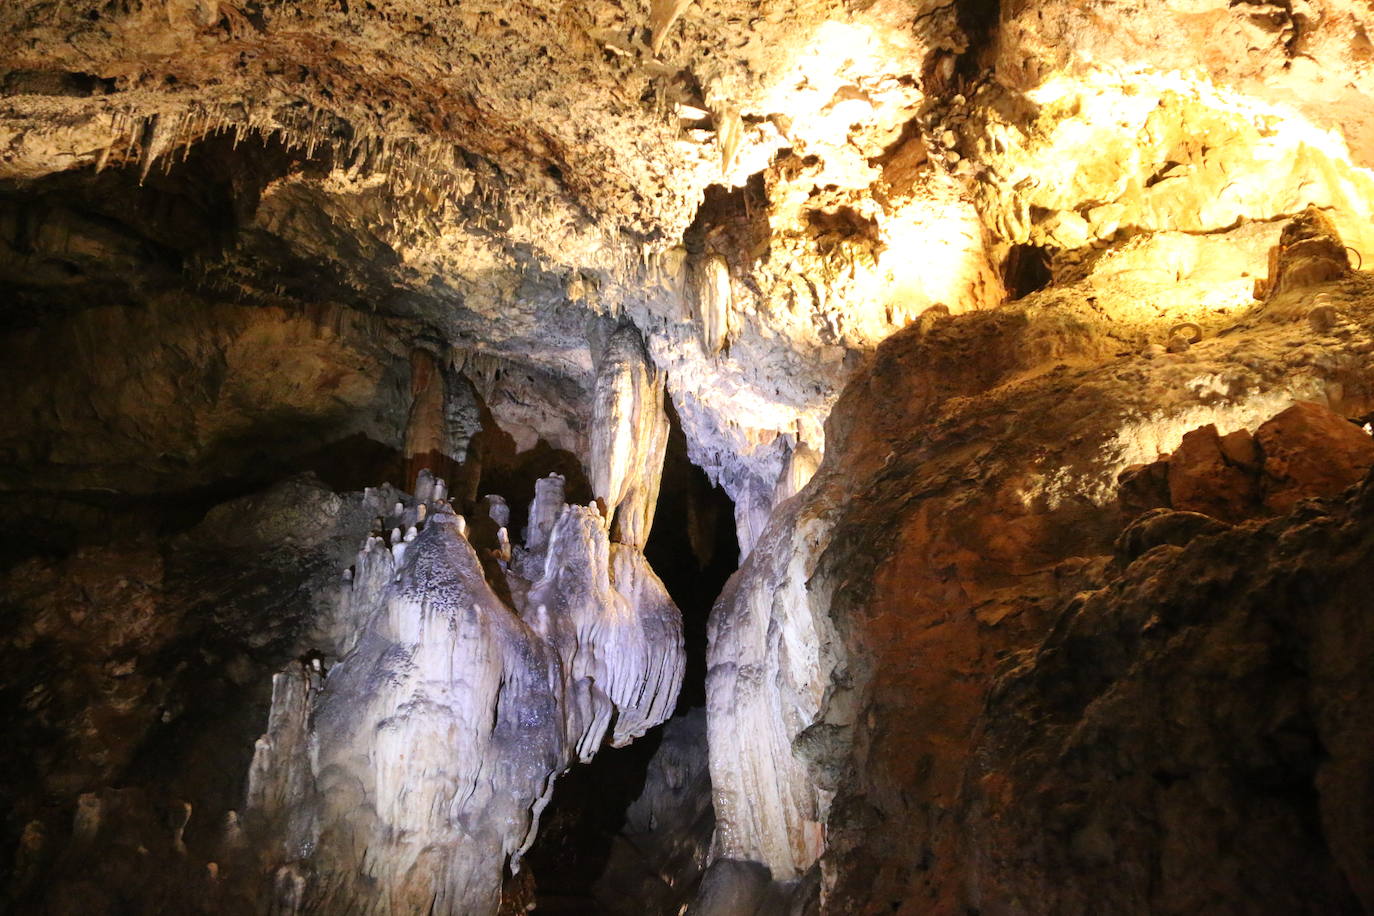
<point>772,653</point>
<point>610,618</point>
<point>629,436</point>
<point>413,774</point>
<point>714,300</point>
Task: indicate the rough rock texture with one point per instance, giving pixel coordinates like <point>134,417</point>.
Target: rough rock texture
<point>409,775</point>
<point>430,750</point>
<point>961,502</point>
<point>1063,260</point>
<point>1309,451</point>
<point>133,688</point>
<point>1200,733</point>
<point>765,193</point>
<point>175,394</point>
<point>1202,478</point>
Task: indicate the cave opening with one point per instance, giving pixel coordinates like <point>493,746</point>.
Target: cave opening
<point>1027,270</point>
<point>694,549</point>
<point>578,859</point>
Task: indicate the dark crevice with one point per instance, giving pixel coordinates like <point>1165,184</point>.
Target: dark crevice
<point>1027,270</point>
<point>980,21</point>
<point>732,223</point>
<point>693,549</point>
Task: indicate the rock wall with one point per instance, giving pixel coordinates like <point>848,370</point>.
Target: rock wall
<point>962,502</point>
<point>136,677</point>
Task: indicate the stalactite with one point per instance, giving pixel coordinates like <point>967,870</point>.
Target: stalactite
<point>629,436</point>
<point>714,300</point>
<point>426,442</point>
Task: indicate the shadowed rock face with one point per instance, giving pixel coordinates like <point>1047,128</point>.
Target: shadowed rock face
<point>1195,721</point>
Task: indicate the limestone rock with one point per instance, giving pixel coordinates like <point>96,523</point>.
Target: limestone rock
<point>1164,526</point>
<point>435,742</point>
<point>771,649</point>
<point>1239,449</point>
<point>617,631</point>
<point>1135,732</point>
<point>1310,252</point>
<point>1202,480</point>
<point>1311,451</point>
<point>963,514</point>
<point>414,773</point>
<point>629,435</point>
<point>1143,487</point>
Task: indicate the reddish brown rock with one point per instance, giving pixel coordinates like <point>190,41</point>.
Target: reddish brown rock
<point>1201,479</point>
<point>1240,450</point>
<point>425,439</point>
<point>1309,451</point>
<point>1310,252</point>
<point>1142,487</point>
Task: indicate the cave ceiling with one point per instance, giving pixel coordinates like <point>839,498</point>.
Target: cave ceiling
<point>766,190</point>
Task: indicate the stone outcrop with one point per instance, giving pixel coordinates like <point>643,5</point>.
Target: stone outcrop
<point>1310,451</point>
<point>1195,732</point>
<point>110,737</point>
<point>961,504</point>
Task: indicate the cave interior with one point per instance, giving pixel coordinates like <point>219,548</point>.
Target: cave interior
<point>649,457</point>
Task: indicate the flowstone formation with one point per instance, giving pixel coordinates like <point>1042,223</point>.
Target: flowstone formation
<point>407,776</point>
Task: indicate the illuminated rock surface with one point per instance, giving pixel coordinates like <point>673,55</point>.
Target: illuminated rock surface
<point>962,508</point>
<point>408,777</point>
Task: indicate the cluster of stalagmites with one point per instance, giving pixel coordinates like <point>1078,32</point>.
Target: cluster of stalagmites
<point>405,777</point>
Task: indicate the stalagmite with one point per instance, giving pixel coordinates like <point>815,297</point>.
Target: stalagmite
<point>414,772</point>
<point>770,655</point>
<point>544,511</point>
<point>434,746</point>
<point>628,438</point>
<point>801,465</point>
